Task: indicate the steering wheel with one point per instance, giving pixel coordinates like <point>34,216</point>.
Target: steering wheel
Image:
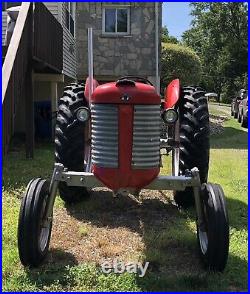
<point>136,79</point>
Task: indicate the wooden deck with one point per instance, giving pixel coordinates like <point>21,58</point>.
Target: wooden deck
<point>36,45</point>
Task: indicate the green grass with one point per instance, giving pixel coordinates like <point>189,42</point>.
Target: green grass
<point>168,234</point>
<point>219,109</point>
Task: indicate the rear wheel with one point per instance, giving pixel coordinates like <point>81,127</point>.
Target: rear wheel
<point>239,117</point>
<point>244,121</point>
<point>213,232</point>
<point>232,111</point>
<point>71,139</point>
<point>33,235</point>
<point>194,139</point>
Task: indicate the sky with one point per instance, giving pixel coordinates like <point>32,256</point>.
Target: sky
<point>175,15</point>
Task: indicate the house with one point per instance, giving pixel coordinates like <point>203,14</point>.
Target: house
<point>126,38</point>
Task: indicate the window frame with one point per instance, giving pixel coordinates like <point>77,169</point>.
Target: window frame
<point>73,16</point>
<point>115,33</point>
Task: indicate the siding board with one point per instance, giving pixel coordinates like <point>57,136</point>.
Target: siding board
<point>4,26</point>
<point>69,47</point>
<point>58,9</point>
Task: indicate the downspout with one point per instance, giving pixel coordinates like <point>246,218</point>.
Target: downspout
<point>157,79</point>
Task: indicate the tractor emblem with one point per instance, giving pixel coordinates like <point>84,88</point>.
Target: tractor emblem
<point>125,97</point>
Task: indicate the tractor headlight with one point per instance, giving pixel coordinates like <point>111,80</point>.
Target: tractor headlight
<point>83,114</point>
<point>170,116</point>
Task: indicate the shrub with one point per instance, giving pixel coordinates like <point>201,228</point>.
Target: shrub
<point>180,62</point>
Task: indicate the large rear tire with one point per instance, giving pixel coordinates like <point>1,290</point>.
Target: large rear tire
<point>239,117</point>
<point>244,121</point>
<point>194,139</point>
<point>70,139</point>
<point>232,111</point>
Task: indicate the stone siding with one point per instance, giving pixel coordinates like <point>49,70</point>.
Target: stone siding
<point>114,56</point>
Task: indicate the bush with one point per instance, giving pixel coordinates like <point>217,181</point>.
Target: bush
<point>231,86</point>
<point>179,62</point>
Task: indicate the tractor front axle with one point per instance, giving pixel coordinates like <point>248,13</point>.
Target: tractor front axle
<point>88,180</point>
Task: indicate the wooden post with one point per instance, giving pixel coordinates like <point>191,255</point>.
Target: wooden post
<point>29,115</point>
<point>29,92</point>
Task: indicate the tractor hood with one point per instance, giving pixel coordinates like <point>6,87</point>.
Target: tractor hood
<point>127,92</point>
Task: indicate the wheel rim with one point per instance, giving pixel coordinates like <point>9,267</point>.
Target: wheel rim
<point>44,236</point>
<point>44,231</point>
<point>203,238</point>
<point>203,232</point>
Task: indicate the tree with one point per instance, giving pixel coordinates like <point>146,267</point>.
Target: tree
<point>166,38</point>
<point>219,35</point>
<point>179,62</point>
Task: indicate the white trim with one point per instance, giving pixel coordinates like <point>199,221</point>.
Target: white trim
<point>60,12</point>
<point>157,78</point>
<point>128,20</point>
<point>117,5</point>
<point>13,46</point>
<point>68,4</point>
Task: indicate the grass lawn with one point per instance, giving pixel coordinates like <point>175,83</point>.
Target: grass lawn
<point>150,228</point>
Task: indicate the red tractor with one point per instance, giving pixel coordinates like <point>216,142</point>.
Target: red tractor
<point>109,135</point>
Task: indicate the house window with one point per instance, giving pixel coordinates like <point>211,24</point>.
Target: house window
<point>6,5</point>
<point>115,21</point>
<point>70,17</point>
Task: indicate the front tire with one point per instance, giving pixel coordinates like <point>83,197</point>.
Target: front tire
<point>194,139</point>
<point>70,140</point>
<point>33,237</point>
<point>213,233</point>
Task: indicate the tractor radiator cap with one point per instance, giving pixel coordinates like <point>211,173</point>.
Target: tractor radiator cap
<point>125,82</point>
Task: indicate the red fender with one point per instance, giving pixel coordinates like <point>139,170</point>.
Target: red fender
<point>172,94</point>
<point>86,91</point>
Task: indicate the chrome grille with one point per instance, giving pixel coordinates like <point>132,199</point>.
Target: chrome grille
<point>146,137</point>
<point>104,135</point>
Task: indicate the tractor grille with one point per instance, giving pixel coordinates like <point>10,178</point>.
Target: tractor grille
<point>146,137</point>
<point>104,135</point>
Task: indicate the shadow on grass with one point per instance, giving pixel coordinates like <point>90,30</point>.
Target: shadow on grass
<point>238,214</point>
<point>170,244</point>
<point>202,281</point>
<point>231,138</point>
<point>53,271</point>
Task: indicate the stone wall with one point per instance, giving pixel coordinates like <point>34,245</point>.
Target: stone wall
<point>114,56</point>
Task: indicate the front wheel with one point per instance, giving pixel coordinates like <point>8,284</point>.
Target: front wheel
<point>213,232</point>
<point>33,235</point>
